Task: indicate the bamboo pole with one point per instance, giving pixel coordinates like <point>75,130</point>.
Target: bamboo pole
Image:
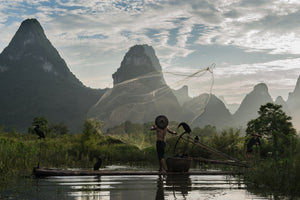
<point>60,172</point>
<point>233,160</point>
<point>222,162</point>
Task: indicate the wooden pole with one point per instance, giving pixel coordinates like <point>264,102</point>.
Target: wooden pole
<point>40,153</point>
<point>60,172</point>
<point>190,139</point>
<point>222,162</point>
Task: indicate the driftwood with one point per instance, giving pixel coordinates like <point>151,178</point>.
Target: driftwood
<point>61,172</point>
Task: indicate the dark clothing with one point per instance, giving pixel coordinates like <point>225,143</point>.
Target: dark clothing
<point>160,148</point>
<point>253,141</point>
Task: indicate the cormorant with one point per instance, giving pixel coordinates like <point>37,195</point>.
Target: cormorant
<point>98,164</point>
<point>39,132</point>
<point>185,126</point>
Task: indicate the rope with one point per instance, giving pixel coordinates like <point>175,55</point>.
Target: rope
<point>209,69</point>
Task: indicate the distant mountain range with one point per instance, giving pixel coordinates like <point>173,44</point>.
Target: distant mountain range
<point>35,81</point>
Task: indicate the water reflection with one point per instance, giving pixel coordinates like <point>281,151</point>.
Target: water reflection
<point>132,187</point>
<point>160,189</point>
<point>174,183</point>
<point>179,183</point>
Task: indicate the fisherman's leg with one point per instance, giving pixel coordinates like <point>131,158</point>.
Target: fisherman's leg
<point>159,155</point>
<point>160,165</point>
<point>163,164</point>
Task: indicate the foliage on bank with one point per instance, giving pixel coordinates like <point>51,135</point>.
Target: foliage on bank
<point>276,164</point>
<point>21,152</point>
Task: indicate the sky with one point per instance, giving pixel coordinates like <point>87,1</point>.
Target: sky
<point>248,41</point>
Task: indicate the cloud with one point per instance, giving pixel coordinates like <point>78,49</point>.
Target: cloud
<point>256,26</point>
<point>90,33</point>
<point>279,75</point>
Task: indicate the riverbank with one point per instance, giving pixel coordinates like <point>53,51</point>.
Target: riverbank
<point>20,153</point>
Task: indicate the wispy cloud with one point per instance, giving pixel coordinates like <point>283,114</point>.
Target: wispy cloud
<point>91,34</point>
<point>279,75</point>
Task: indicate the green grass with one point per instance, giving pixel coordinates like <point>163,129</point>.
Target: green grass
<point>19,153</point>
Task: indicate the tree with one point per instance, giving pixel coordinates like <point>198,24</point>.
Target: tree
<point>42,122</point>
<point>59,128</point>
<point>92,127</point>
<point>227,142</point>
<point>207,131</point>
<point>90,137</point>
<point>274,125</point>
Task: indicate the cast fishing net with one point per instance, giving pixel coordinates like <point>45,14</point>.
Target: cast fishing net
<point>200,84</point>
<point>158,88</point>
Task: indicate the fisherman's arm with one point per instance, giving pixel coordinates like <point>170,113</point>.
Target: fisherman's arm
<point>153,128</point>
<point>172,132</point>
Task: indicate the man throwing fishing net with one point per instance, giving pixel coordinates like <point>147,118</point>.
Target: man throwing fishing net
<point>161,127</point>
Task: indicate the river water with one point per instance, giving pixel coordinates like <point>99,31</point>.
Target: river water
<point>152,187</point>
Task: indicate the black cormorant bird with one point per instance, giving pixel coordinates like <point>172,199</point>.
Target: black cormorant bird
<point>185,126</point>
<point>98,164</point>
<point>196,139</point>
<point>187,130</point>
<point>39,132</point>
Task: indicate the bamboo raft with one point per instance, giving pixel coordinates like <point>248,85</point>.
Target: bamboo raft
<point>43,172</point>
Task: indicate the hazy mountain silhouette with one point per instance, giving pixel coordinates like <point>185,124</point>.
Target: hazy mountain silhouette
<point>211,109</point>
<point>280,101</point>
<point>231,107</point>
<point>250,105</point>
<point>182,94</point>
<point>35,81</point>
<point>139,93</point>
<point>293,103</point>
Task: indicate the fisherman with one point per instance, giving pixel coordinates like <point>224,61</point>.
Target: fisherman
<point>253,141</point>
<point>161,127</point>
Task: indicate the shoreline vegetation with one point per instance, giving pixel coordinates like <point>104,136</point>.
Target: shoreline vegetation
<point>274,165</point>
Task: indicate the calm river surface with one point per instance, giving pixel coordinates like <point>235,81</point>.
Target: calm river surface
<point>130,187</point>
